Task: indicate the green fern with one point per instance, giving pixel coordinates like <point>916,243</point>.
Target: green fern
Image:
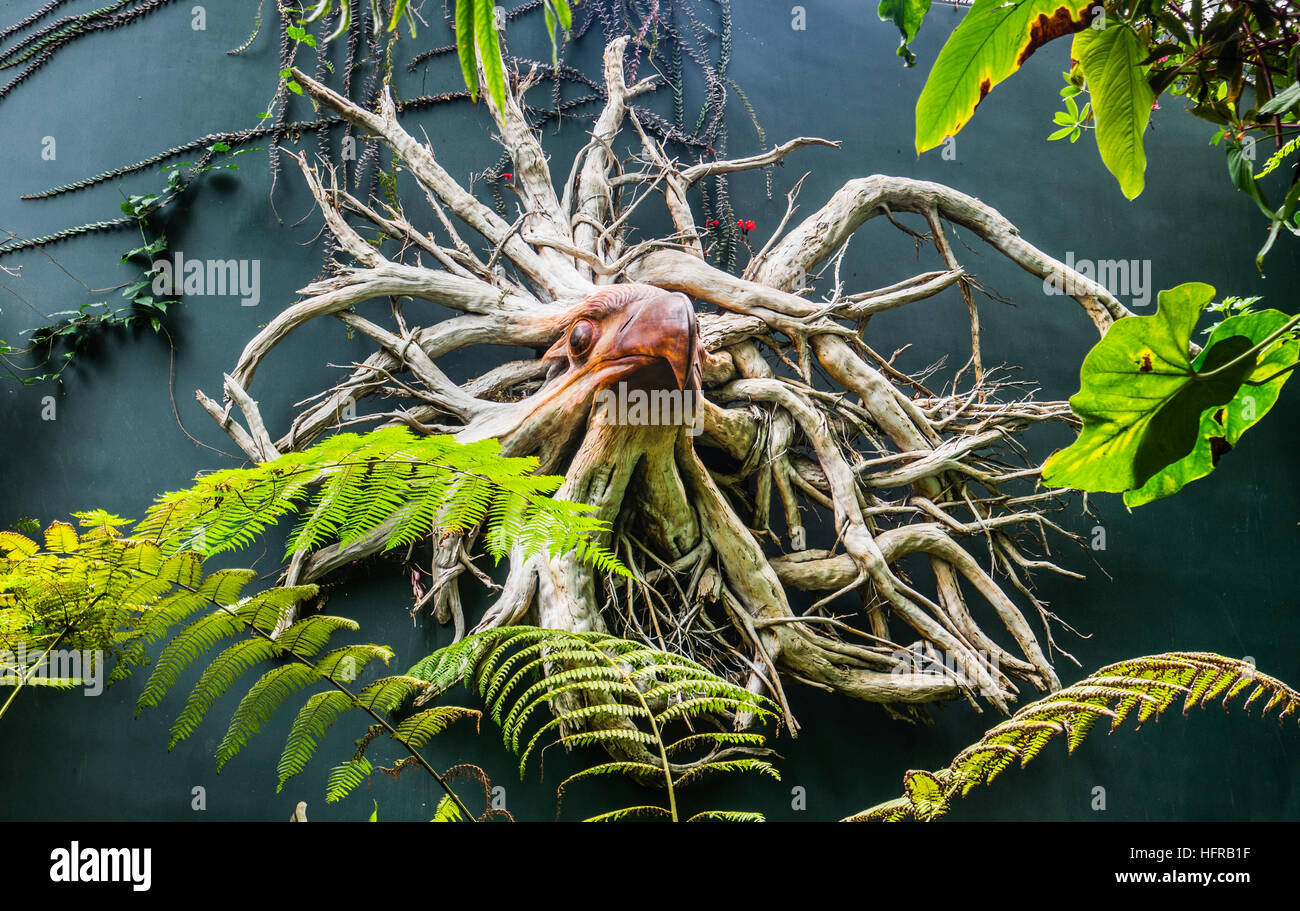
<point>607,692</point>
<point>1143,688</point>
<point>108,597</point>
<point>351,486</point>
<point>302,646</point>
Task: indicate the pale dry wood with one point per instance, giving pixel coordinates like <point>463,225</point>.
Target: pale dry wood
<point>719,548</point>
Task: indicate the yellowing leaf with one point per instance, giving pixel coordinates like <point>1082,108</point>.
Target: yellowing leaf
<point>926,794</point>
<point>991,43</point>
<point>14,543</point>
<point>61,538</point>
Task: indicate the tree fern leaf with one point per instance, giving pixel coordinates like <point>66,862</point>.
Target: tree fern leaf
<point>727,816</point>
<point>345,778</point>
<point>732,766</point>
<point>447,811</point>
<point>714,738</point>
<point>421,727</point>
<point>1150,685</point>
<point>309,726</point>
<point>307,637</point>
<point>262,701</point>
<point>216,679</point>
<point>186,648</point>
<point>629,813</point>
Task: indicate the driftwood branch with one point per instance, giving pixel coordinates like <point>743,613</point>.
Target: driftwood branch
<point>712,514</point>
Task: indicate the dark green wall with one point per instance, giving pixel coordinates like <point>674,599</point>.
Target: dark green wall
<point>1209,569</point>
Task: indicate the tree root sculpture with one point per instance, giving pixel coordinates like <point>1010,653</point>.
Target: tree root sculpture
<point>789,406</point>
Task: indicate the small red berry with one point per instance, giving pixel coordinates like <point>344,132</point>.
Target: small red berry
<point>507,176</point>
<point>750,226</point>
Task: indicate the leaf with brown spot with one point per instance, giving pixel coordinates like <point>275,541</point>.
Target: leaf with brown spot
<point>990,44</point>
<point>1138,421</point>
<point>1222,429</point>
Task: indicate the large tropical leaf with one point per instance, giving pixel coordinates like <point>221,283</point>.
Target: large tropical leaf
<point>1121,99</point>
<point>1221,428</point>
<point>990,44</point>
<point>1141,398</point>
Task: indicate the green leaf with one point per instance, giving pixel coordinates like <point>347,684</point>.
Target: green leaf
<point>1243,178</point>
<point>1141,399</point>
<point>990,44</point>
<point>1222,428</point>
<point>564,12</point>
<point>1061,133</point>
<point>1283,101</point>
<point>1121,99</point>
<point>550,32</point>
<point>489,50</point>
<point>465,45</point>
<point>399,9</point>
<point>907,15</point>
<point>926,794</point>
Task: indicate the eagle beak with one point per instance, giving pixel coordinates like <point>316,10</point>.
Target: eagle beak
<point>662,327</point>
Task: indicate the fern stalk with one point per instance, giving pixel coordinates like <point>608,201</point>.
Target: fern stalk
<point>357,703</point>
<point>654,729</point>
<point>31,670</point>
<point>1143,688</point>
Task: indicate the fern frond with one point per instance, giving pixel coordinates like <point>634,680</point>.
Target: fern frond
<point>351,486</point>
<point>217,678</point>
<point>630,813</point>
<point>187,647</point>
<point>599,689</point>
<point>262,701</point>
<point>728,766</point>
<point>447,811</point>
<point>1141,687</point>
<point>727,816</point>
<point>346,778</point>
<point>418,729</point>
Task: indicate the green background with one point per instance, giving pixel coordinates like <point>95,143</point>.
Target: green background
<point>1210,569</point>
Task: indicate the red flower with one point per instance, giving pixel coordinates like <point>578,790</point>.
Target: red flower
<point>750,226</point>
<point>507,176</point>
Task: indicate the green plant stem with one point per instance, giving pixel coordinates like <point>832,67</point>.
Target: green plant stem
<point>31,671</point>
<point>1290,324</point>
<point>654,728</point>
<point>356,702</point>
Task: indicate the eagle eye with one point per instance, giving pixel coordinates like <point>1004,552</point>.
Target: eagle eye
<point>581,337</point>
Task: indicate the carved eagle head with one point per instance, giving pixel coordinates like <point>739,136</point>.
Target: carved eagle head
<point>638,334</point>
